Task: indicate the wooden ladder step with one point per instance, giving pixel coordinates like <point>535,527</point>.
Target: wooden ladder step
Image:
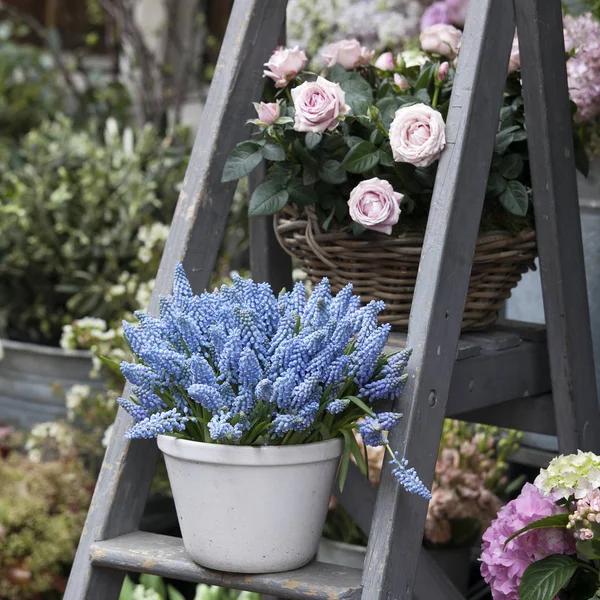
<point>143,552</point>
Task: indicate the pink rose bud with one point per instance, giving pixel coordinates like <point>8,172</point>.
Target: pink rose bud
<point>284,65</point>
<point>319,105</point>
<point>375,205</point>
<point>268,113</point>
<point>417,135</point>
<point>347,53</point>
<point>441,39</point>
<point>385,62</point>
<point>443,71</point>
<point>401,81</point>
<point>515,57</point>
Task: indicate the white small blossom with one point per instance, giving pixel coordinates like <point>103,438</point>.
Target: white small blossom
<point>74,397</point>
<point>106,436</point>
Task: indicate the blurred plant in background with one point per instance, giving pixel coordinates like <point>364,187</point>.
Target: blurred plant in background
<point>43,506</point>
<point>78,218</point>
<point>378,24</point>
<point>470,477</point>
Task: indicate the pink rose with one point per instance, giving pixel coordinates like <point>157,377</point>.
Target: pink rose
<point>319,105</point>
<point>375,205</point>
<point>417,135</point>
<point>515,57</point>
<point>268,113</point>
<point>441,39</point>
<point>385,62</point>
<point>443,71</point>
<point>401,81</point>
<point>284,65</point>
<point>347,53</point>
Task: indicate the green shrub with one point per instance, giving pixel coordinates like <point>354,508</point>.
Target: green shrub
<point>78,216</point>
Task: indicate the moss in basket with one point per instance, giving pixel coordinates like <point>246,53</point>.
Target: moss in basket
<point>326,136</point>
<point>241,366</point>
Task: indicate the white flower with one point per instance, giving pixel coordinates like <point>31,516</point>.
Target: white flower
<point>106,436</point>
<point>573,474</point>
<point>74,397</point>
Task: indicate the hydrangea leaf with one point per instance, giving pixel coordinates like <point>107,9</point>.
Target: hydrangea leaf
<point>543,579</point>
<point>561,520</point>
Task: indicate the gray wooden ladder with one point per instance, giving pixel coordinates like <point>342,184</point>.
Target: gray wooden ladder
<point>524,377</point>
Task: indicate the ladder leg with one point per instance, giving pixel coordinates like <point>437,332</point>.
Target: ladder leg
<point>194,238</point>
<point>440,293</point>
<point>539,23</point>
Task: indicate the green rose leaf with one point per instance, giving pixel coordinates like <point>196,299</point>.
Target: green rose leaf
<point>359,94</point>
<point>511,166</point>
<point>589,548</point>
<point>495,186</point>
<point>273,152</point>
<point>505,138</point>
<point>560,520</point>
<point>301,194</point>
<point>268,198</point>
<point>313,139</point>
<point>514,198</point>
<point>242,161</point>
<point>543,579</point>
<point>332,172</point>
<point>361,158</point>
<point>357,228</point>
<point>386,158</point>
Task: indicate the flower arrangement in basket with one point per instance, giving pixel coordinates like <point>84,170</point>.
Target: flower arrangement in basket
<point>353,155</point>
<point>545,544</point>
<point>254,399</point>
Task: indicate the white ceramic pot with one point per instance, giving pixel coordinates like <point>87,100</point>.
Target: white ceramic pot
<point>251,509</point>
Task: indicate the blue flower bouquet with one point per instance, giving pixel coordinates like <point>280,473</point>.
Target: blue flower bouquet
<point>247,373</point>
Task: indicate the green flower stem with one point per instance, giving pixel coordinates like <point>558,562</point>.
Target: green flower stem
<point>436,95</point>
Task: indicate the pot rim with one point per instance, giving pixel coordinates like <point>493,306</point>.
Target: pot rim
<point>250,456</point>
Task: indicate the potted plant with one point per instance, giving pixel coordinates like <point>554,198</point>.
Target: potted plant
<point>253,400</point>
<point>470,477</point>
<point>544,544</point>
<point>77,216</point>
<point>353,154</point>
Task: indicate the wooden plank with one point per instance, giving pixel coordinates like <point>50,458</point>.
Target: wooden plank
<point>532,332</point>
<point>268,261</point>
<point>532,457</point>
<point>194,238</point>
<point>525,414</point>
<point>497,376</point>
<point>464,348</point>
<point>494,340</point>
<point>440,292</point>
<point>550,138</point>
<point>162,555</point>
<point>358,498</point>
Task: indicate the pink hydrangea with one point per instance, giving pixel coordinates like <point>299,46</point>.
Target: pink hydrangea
<point>582,35</point>
<point>503,567</point>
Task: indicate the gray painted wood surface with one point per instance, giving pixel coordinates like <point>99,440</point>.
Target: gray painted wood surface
<point>34,379</point>
<point>163,555</point>
<point>440,292</point>
<point>194,238</point>
<point>539,24</point>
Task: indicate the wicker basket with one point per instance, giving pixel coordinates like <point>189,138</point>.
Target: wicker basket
<point>385,268</point>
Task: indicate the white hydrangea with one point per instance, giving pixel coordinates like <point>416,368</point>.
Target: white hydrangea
<point>573,474</point>
<point>151,236</point>
<point>74,397</point>
<point>106,436</point>
<point>45,433</point>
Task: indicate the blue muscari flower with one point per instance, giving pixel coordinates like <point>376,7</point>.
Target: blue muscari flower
<point>201,371</point>
<point>283,388</point>
<point>220,428</point>
<point>229,358</point>
<point>315,311</point>
<point>344,303</point>
<point>408,478</point>
<point>252,332</point>
<point>371,432</point>
<point>364,359</point>
<point>134,336</point>
<point>335,407</point>
<point>207,396</point>
<point>264,390</point>
<point>181,285</point>
<point>368,319</point>
<point>296,421</point>
<point>149,400</point>
<point>294,301</point>
<point>139,375</point>
<point>139,413</point>
<point>249,369</point>
<point>389,420</point>
<point>306,392</point>
<point>158,424</point>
